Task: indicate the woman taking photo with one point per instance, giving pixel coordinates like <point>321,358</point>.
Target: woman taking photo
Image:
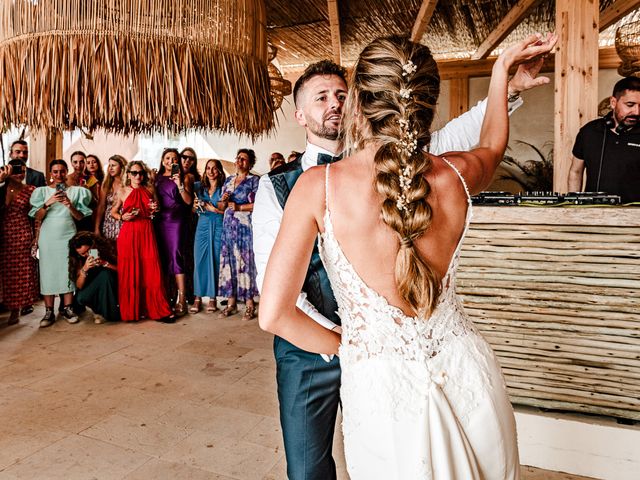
<point>19,279</point>
<point>105,224</point>
<point>140,288</point>
<point>175,196</point>
<point>208,236</point>
<point>238,268</point>
<point>56,208</point>
<point>93,269</point>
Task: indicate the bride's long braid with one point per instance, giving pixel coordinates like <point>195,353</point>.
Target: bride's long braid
<point>394,89</point>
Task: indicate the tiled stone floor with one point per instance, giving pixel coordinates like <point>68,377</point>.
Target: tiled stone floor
<point>195,400</point>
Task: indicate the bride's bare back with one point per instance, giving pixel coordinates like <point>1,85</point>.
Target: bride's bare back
<point>368,243</point>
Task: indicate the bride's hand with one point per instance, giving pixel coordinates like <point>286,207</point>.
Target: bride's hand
<point>531,49</point>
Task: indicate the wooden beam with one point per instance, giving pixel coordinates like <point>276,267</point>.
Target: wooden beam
<point>616,11</point>
<point>458,97</point>
<point>511,20</point>
<point>334,23</point>
<point>422,20</point>
<point>576,79</point>
<point>608,58</point>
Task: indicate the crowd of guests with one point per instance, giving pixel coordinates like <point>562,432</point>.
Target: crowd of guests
<point>129,243</point>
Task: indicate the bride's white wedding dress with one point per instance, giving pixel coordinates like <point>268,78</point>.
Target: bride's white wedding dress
<point>422,398</point>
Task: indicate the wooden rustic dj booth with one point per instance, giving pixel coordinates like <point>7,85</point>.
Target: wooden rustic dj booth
<point>556,291</point>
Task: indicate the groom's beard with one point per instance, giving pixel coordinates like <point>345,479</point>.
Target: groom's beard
<point>326,129</point>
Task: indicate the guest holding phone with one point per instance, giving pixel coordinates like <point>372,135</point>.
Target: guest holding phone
<point>56,207</point>
<point>140,288</point>
<point>19,279</point>
<point>93,268</point>
<point>175,196</point>
<point>208,238</point>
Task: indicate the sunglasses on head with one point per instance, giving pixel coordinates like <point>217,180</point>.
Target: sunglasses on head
<point>135,173</point>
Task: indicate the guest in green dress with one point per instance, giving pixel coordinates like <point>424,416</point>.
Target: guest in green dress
<point>55,208</point>
<point>93,268</point>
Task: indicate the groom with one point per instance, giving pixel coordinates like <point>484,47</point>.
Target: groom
<point>308,383</point>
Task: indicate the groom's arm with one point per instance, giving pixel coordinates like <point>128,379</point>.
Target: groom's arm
<point>463,133</point>
<point>266,219</point>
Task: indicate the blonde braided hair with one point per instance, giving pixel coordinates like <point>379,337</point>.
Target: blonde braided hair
<point>391,102</point>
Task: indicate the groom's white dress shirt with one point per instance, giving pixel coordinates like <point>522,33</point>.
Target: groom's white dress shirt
<point>460,134</point>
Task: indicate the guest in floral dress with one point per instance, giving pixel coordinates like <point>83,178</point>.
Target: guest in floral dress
<point>106,225</point>
<point>238,268</point>
<point>19,277</point>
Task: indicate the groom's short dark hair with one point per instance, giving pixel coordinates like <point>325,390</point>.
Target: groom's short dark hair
<point>323,67</point>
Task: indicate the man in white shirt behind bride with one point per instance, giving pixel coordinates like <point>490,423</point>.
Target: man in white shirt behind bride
<point>308,383</point>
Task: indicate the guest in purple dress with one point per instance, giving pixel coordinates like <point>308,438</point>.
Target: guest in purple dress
<point>175,195</point>
<point>237,265</point>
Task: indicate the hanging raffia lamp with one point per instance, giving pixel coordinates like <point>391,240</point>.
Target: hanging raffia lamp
<point>628,48</point>
<point>133,66</point>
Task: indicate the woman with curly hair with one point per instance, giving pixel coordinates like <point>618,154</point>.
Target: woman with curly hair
<point>238,268</point>
<point>93,268</point>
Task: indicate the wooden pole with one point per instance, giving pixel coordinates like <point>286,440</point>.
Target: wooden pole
<point>576,79</point>
<point>458,96</point>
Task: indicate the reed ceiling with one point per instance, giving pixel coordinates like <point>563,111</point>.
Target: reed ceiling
<point>301,28</point>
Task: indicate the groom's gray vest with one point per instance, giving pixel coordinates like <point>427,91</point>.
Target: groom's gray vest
<point>316,283</point>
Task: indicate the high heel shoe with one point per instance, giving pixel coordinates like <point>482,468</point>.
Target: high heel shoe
<point>249,313</point>
<point>180,307</point>
<point>197,306</point>
<point>228,311</point>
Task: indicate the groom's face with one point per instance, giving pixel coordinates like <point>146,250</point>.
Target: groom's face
<point>320,106</point>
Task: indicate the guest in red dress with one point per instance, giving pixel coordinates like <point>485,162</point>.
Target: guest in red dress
<point>19,270</point>
<point>139,276</point>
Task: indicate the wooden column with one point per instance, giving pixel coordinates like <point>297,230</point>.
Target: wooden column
<point>458,96</point>
<point>576,79</point>
<point>44,147</point>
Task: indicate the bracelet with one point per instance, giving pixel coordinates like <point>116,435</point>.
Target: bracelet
<point>83,272</point>
<point>181,189</point>
<point>45,207</point>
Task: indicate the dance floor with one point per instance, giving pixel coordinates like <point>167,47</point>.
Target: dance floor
<point>195,400</point>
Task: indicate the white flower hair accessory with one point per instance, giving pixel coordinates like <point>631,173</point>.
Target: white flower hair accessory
<point>408,142</point>
<point>409,68</point>
<point>405,93</point>
<point>405,181</point>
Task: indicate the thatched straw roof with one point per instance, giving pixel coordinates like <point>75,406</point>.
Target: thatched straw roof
<point>301,29</point>
<point>135,65</point>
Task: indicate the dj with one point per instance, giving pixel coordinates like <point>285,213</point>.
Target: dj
<point>608,148</point>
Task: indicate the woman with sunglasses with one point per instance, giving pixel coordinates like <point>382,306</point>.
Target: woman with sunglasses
<point>175,196</point>
<point>140,288</point>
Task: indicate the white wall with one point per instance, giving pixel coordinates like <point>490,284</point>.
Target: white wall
<point>533,122</point>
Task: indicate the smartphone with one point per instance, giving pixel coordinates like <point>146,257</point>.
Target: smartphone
<point>61,187</point>
<point>17,169</point>
<point>93,252</point>
<point>175,169</point>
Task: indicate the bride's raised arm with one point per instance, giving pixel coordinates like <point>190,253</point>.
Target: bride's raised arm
<point>287,268</point>
<point>479,165</point>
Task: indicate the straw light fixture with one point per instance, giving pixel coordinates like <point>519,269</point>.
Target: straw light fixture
<point>133,66</point>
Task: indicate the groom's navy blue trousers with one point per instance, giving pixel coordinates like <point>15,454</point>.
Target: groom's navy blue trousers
<point>309,394</point>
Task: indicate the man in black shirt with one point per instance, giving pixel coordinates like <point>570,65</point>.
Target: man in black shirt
<point>608,148</point>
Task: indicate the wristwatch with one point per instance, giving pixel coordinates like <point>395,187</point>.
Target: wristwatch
<point>512,97</point>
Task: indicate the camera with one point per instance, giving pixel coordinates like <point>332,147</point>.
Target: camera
<point>17,169</point>
<point>175,169</point>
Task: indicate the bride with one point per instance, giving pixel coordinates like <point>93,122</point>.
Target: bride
<point>423,396</point>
